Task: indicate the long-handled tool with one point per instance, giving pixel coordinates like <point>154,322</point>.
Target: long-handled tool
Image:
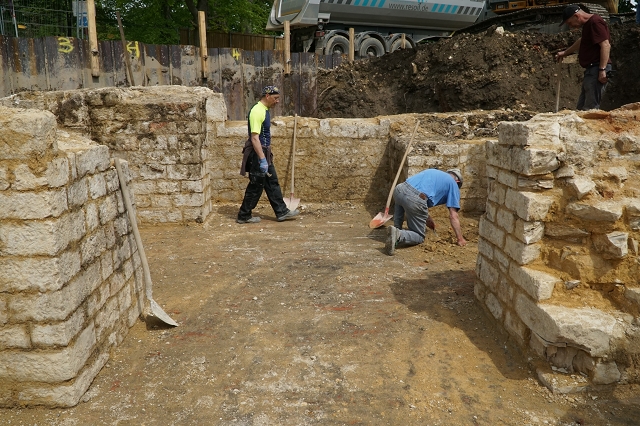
<point>151,309</point>
<point>382,218</point>
<point>291,202</point>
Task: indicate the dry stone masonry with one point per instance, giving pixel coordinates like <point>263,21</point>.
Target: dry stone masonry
<point>71,277</point>
<point>558,249</point>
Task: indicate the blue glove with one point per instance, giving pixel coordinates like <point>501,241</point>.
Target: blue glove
<point>264,166</point>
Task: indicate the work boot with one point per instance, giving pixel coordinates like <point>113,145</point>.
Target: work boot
<point>289,215</point>
<point>253,219</point>
<point>390,243</point>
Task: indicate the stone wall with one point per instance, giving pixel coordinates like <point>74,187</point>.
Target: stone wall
<point>184,155</point>
<point>558,249</point>
<point>71,276</point>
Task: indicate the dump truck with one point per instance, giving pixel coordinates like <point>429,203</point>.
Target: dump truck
<point>383,26</point>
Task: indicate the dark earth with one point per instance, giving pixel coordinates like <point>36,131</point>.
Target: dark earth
<point>485,71</point>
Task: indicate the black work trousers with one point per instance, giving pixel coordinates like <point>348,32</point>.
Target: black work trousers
<point>259,181</point>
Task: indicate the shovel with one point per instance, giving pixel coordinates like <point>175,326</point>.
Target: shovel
<point>382,218</point>
<point>151,309</point>
<point>292,203</point>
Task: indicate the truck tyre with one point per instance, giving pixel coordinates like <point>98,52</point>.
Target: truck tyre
<point>397,44</point>
<point>337,45</point>
<point>371,47</point>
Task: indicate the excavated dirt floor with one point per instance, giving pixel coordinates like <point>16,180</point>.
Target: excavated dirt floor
<point>308,322</point>
<point>467,72</point>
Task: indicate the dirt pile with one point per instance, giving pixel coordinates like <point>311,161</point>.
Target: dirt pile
<point>475,71</point>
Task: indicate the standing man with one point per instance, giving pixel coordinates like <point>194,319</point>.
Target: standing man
<point>593,54</point>
<point>413,198</point>
<point>258,160</point>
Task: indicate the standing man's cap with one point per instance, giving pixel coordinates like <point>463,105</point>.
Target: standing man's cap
<point>569,11</point>
<point>457,174</point>
<point>270,90</point>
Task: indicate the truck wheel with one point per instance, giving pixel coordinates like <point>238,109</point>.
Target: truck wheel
<point>337,45</point>
<point>371,47</point>
<point>396,45</point>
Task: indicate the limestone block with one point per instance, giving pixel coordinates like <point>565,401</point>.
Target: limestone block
<point>58,334</point>
<point>619,174</point>
<point>106,264</point>
<point>631,293</point>
<point>560,383</point>
<point>520,252</point>
<point>185,172</point>
<point>47,237</point>
<point>627,142</point>
<point>632,206</point>
<point>93,160</point>
<point>169,186</point>
<point>529,133</point>
<point>26,180</point>
<point>491,232</point>
<point>78,193</point>
<point>528,232</point>
<point>525,184</point>
<point>4,178</point>
<point>505,291</point>
<point>192,200</point>
<point>497,192</point>
<point>507,178</point>
<point>14,336</point>
<point>515,327</point>
<point>48,366</point>
<point>612,245</point>
<point>66,394</point>
<point>57,173</point>
<point>559,230</point>
<point>506,220</point>
<point>56,305</point>
<point>116,283</point>
<point>531,161</point>
<point>599,211</point>
<point>91,216</point>
<point>216,108</point>
<point>343,128</point>
<point>92,246</point>
<point>498,155</point>
<point>26,134</point>
<point>32,205</point>
<point>581,186</point>
<point>486,272</point>
<point>529,206</point>
<point>605,373</point>
<point>539,285</point>
<point>485,248</point>
<point>97,186</point>
<point>191,186</point>
<point>492,171</point>
<point>494,306</point>
<point>491,211</point>
<point>106,317</point>
<point>583,363</point>
<point>37,273</point>
<point>565,171</point>
<point>378,128</point>
<point>502,260</point>
<point>108,209</point>
<point>586,328</point>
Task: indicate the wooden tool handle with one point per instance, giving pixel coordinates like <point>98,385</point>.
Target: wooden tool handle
<point>401,164</point>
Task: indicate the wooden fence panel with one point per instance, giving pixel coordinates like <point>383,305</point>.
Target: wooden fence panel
<point>157,64</point>
<point>175,63</point>
<point>29,70</point>
<point>190,68</point>
<point>308,95</point>
<point>6,67</point>
<point>63,63</point>
<point>232,87</point>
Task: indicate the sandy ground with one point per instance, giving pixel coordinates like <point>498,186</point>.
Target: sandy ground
<point>308,322</point>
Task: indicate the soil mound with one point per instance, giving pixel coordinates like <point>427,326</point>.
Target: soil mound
<point>466,72</point>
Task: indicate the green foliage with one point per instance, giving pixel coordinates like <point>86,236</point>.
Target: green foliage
<point>242,16</point>
<point>626,6</point>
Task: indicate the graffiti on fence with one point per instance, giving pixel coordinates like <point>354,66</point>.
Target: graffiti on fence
<point>65,45</point>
